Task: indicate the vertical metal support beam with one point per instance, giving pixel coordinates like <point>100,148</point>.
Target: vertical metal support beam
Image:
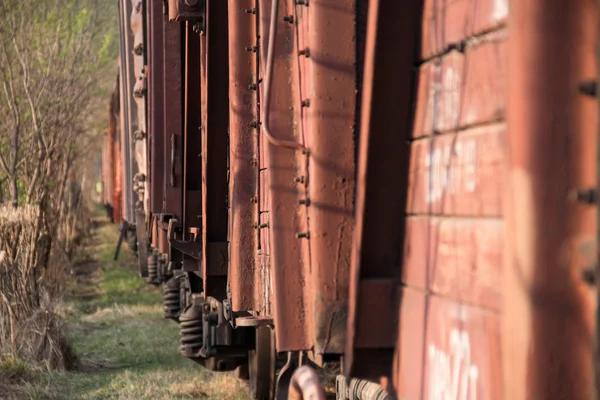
<point>383,150</point>
<point>214,75</point>
<point>548,321</point>
<point>192,171</point>
<point>289,263</point>
<point>127,83</point>
<point>331,165</point>
<point>156,126</point>
<point>173,117</point>
<point>243,154</point>
<point>596,364</point>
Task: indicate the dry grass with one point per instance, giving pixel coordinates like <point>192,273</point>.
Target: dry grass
<point>30,326</point>
<point>125,349</point>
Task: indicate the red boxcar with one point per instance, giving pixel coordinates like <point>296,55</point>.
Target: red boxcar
<point>399,190</point>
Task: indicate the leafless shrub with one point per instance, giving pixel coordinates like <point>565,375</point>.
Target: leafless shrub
<point>29,325</point>
<point>49,53</point>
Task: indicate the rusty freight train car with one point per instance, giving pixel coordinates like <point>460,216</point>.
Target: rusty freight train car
<point>399,191</point>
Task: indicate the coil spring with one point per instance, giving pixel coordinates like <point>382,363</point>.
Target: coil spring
<point>172,299</point>
<point>152,268</point>
<point>190,331</point>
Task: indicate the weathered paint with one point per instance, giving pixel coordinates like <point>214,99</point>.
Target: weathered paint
<point>459,90</point>
<point>383,154</point>
<point>458,174</point>
<point>127,85</point>
<point>449,22</point>
<point>214,120</point>
<point>548,320</point>
<point>156,124</point>
<point>244,275</point>
<point>460,259</point>
<point>291,313</point>
<point>138,121</point>
<point>462,352</point>
<point>327,126</point>
<point>172,106</point>
<point>192,169</point>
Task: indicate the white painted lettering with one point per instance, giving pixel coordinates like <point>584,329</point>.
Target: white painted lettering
<point>451,375</point>
<point>451,169</point>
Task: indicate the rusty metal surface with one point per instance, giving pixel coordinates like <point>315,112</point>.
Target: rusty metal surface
<point>413,289</point>
<point>325,120</point>
<point>459,259</point>
<point>550,239</point>
<point>408,363</point>
<point>127,83</point>
<point>138,137</point>
<point>163,241</point>
<point>448,23</point>
<point>214,128</point>
<point>156,123</point>
<point>462,352</point>
<point>376,252</point>
<point>138,117</point>
<point>288,255</point>
<point>173,118</point>
<point>192,173</point>
<point>458,174</point>
<point>244,276</point>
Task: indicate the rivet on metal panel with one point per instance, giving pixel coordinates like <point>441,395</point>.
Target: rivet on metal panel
<point>139,177</point>
<point>305,202</point>
<point>303,235</point>
<point>139,92</point>
<point>305,103</point>
<point>587,196</point>
<point>588,88</point>
<point>138,49</point>
<point>289,18</point>
<point>460,46</point>
<point>253,49</point>
<point>300,179</point>
<point>589,275</point>
<point>139,135</point>
<point>250,10</point>
<point>304,52</point>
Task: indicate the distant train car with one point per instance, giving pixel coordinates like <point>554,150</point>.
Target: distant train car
<point>402,192</point>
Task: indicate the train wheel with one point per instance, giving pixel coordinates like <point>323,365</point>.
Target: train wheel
<point>261,365</point>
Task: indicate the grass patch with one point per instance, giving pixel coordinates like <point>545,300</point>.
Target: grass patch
<point>14,370</point>
<point>124,347</point>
